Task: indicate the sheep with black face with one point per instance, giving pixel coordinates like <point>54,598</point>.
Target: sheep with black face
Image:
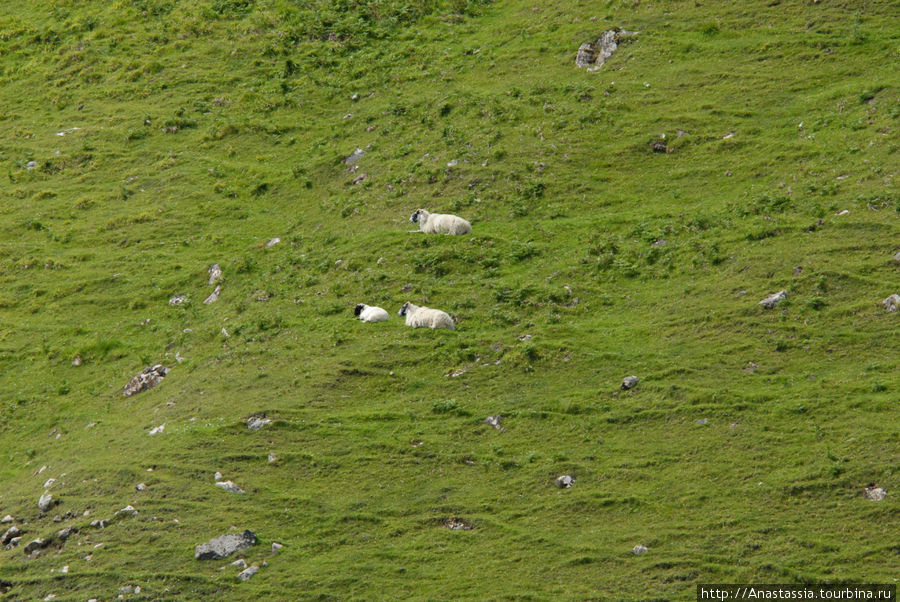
<point>425,317</point>
<point>368,313</point>
<point>439,223</point>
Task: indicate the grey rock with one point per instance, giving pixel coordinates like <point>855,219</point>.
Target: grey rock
<point>64,534</point>
<point>892,303</point>
<point>593,55</point>
<point>897,256</point>
<point>639,549</point>
<point>100,524</point>
<point>225,545</point>
<point>255,423</point>
<point>586,55</point>
<point>215,274</point>
<point>701,422</point>
<point>214,296</point>
<point>140,487</point>
<point>177,300</point>
<point>458,524</point>
<point>354,156</point>
<point>10,534</point>
<point>629,382</point>
<point>875,494</point>
<point>229,486</point>
<point>13,543</point>
<point>147,379</point>
<point>276,547</point>
<point>46,502</point>
<point>240,562</point>
<point>127,511</point>
<point>158,429</point>
<point>565,481</point>
<point>248,572</point>
<point>37,544</point>
<point>218,476</point>
<point>272,242</point>
<point>494,421</point>
<point>272,457</point>
<point>31,165</point>
<point>773,299</point>
<point>7,519</point>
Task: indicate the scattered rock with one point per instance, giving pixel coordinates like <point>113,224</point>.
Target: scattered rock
<point>272,242</point>
<point>875,494</point>
<point>127,511</point>
<point>100,524</point>
<point>494,421</point>
<point>215,274</point>
<point>639,549</point>
<point>158,429</point>
<point>892,303</point>
<point>897,256</point>
<point>276,547</point>
<point>798,270</point>
<point>254,423</point>
<point>37,544</point>
<point>46,502</point>
<point>660,243</point>
<point>726,137</point>
<point>218,476</point>
<point>7,519</point>
<point>147,379</point>
<point>240,562</point>
<point>681,133</point>
<point>844,212</point>
<point>31,165</point>
<point>13,543</point>
<point>457,524</point>
<point>629,382</point>
<point>140,487</point>
<point>48,483</point>
<point>248,572</point>
<point>701,422</point>
<point>10,534</point>
<point>225,545</point>
<point>751,367</point>
<point>272,457</point>
<point>658,146</point>
<point>213,296</point>
<point>593,55</point>
<point>452,163</point>
<point>773,299</point>
<point>354,156</point>
<point>177,300</point>
<point>229,486</point>
<point>565,481</point>
<point>64,534</point>
<point>77,361</point>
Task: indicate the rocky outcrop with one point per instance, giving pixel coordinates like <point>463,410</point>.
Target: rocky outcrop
<point>225,545</point>
<point>147,379</point>
<point>593,54</point>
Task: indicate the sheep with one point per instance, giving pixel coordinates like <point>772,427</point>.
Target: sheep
<point>367,313</point>
<point>439,223</point>
<point>425,317</point>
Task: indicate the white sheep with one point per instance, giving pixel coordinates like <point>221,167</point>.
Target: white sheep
<point>367,313</point>
<point>439,223</point>
<point>425,317</point>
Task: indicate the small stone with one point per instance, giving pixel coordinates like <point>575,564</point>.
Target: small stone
<point>892,303</point>
<point>272,457</point>
<point>13,543</point>
<point>897,256</point>
<point>639,549</point>
<point>64,570</point>
<point>215,274</point>
<point>214,296</point>
<point>844,212</point>
<point>494,421</point>
<point>10,533</point>
<point>140,486</point>
<point>629,382</point>
<point>64,534</point>
<point>751,367</point>
<point>225,545</point>
<point>147,379</point>
<point>240,562</point>
<point>660,243</point>
<point>7,519</point>
<point>458,524</point>
<point>798,270</point>
<point>158,429</point>
<point>49,597</point>
<point>272,242</point>
<point>276,547</point>
<point>565,481</point>
<point>46,502</point>
<point>36,544</point>
<point>126,590</point>
<point>31,165</point>
<point>255,423</point>
<point>218,476</point>
<point>100,524</point>
<point>57,519</point>
<point>248,572</point>
<point>48,483</point>
<point>701,422</point>
<point>177,300</point>
<point>127,511</point>
<point>230,487</point>
<point>875,494</point>
<point>77,361</point>
<point>452,163</point>
<point>354,156</point>
<point>773,299</point>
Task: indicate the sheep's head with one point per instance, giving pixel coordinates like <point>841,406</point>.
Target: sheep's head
<point>417,214</point>
<point>358,309</point>
<point>403,309</point>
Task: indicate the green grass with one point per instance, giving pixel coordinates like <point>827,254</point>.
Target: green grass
<point>168,136</point>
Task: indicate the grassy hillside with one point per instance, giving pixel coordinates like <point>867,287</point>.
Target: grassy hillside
<point>145,140</point>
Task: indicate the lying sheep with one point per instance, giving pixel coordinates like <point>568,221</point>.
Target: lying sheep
<point>425,317</point>
<point>439,223</point>
<point>368,313</point>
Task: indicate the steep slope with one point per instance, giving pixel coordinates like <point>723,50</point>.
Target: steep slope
<point>147,140</point>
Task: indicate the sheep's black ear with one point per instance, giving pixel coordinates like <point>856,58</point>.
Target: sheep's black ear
<point>357,310</point>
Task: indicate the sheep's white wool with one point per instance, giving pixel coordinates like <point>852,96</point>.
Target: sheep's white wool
<point>425,317</point>
<point>440,223</point>
<point>368,313</point>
